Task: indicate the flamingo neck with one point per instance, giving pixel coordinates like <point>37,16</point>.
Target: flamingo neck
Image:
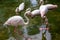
<point>26,23</point>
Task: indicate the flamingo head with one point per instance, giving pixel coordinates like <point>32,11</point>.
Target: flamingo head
<point>17,10</point>
<point>28,11</point>
<point>5,25</point>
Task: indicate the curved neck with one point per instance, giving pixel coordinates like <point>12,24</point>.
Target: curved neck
<point>26,19</point>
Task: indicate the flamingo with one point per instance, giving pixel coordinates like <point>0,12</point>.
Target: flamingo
<point>20,7</point>
<point>17,20</point>
<point>44,9</point>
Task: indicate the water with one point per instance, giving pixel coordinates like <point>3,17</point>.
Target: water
<point>40,35</point>
<point>25,34</point>
<point>43,26</point>
<point>46,33</point>
<point>34,3</point>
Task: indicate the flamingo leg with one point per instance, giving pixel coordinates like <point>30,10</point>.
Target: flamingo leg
<point>15,29</point>
<point>20,32</point>
<point>46,21</point>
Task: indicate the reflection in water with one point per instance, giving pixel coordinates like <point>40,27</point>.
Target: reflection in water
<point>34,3</point>
<point>46,33</point>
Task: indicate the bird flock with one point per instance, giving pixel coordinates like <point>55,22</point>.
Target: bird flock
<point>18,20</point>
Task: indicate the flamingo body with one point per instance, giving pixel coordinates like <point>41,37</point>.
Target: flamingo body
<point>15,21</point>
<point>35,12</point>
<point>44,8</point>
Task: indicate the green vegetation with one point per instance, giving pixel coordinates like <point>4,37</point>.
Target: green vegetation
<point>7,9</point>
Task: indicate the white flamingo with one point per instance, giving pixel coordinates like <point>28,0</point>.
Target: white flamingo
<point>20,7</point>
<point>17,20</point>
<point>44,9</point>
